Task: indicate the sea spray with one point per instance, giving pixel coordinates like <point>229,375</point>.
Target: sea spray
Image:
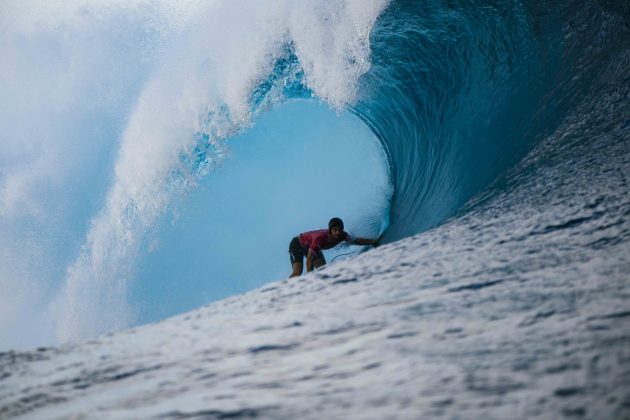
<point>201,90</point>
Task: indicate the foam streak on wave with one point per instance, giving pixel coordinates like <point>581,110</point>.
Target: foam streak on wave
<point>202,90</point>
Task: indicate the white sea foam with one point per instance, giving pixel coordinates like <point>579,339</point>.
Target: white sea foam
<point>68,80</point>
<point>202,85</point>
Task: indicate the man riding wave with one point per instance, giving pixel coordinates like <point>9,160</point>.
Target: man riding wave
<point>310,245</point>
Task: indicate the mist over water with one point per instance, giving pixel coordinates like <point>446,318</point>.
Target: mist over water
<point>68,83</point>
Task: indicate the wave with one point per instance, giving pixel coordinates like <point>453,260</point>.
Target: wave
<point>457,93</point>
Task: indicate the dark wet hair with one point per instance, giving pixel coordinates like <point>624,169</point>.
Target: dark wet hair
<point>335,221</point>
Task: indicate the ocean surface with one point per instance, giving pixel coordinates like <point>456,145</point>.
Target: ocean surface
<point>501,286</point>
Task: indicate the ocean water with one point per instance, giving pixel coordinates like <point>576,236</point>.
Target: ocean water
<point>500,288</point>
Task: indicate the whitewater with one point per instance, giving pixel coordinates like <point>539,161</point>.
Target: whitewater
<point>500,288</point>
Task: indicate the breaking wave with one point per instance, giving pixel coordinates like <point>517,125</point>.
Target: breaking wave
<point>457,92</point>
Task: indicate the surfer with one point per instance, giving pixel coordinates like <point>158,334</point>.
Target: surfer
<point>310,245</point>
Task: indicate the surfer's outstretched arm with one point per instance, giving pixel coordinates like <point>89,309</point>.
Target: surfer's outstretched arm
<point>363,241</point>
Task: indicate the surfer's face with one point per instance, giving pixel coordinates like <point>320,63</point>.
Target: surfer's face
<point>336,232</point>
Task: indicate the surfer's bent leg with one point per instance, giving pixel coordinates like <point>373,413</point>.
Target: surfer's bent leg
<point>297,269</point>
<point>319,261</point>
<point>296,255</point>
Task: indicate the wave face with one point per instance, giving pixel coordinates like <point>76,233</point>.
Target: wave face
<point>459,91</point>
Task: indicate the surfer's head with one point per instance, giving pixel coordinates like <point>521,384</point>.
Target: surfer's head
<point>335,227</point>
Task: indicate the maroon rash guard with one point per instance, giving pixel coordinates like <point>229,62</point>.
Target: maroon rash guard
<point>317,240</point>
